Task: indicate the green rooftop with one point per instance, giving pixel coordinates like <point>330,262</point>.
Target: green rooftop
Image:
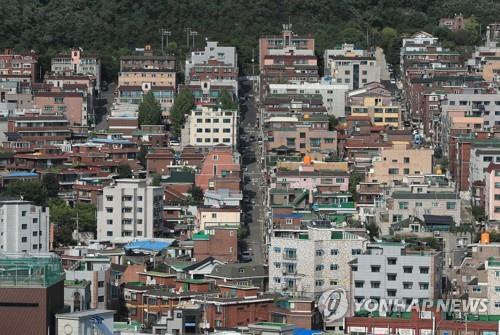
<point>181,177</point>
<point>76,283</point>
<point>40,270</point>
<point>201,236</point>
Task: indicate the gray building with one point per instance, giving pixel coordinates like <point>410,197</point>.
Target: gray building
<point>77,295</point>
<point>183,320</point>
<point>391,271</point>
<point>404,204</point>
<point>222,197</point>
<point>212,51</point>
<point>483,152</point>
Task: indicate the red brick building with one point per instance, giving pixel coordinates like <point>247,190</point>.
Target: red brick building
<point>19,64</point>
<point>218,242</point>
<point>220,169</point>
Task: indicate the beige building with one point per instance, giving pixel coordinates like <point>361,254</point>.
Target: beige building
<point>217,217</point>
<point>147,78</point>
<point>398,161</point>
<point>375,101</point>
<point>210,126</point>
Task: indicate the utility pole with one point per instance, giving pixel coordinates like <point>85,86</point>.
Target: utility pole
<point>167,33</point>
<point>188,32</point>
<point>193,34</point>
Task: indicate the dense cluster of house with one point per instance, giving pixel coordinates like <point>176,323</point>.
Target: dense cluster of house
<point>368,183</point>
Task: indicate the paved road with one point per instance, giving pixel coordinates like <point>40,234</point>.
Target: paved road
<point>104,102</point>
<point>253,188</point>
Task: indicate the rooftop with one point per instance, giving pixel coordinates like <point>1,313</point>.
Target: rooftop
<point>30,270</point>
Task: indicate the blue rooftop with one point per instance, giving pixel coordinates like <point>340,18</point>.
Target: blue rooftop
<point>148,245</point>
<point>289,216</point>
<point>22,174</point>
<point>303,331</point>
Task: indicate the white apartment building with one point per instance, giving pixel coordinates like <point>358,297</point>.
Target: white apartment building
<point>212,51</point>
<point>130,209</point>
<point>24,227</point>
<point>333,95</point>
<point>77,63</point>
<point>210,126</point>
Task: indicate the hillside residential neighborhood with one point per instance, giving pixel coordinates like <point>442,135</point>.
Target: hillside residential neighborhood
<point>323,192</point>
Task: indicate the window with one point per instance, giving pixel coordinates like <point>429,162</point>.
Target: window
<point>319,267</point>
<point>100,283</point>
<point>35,246</point>
<point>23,213</point>
<point>408,269</point>
<point>226,121</point>
<point>100,298</point>
<point>319,283</point>
<point>391,277</point>
<point>24,226</point>
<point>109,198</point>
<point>334,267</point>
<point>403,205</point>
<point>277,250</point>
<point>391,293</point>
<point>356,251</point>
<point>397,217</point>
<point>424,286</point>
<point>334,252</point>
<point>375,284</point>
<point>393,171</point>
<point>392,260</point>
<point>407,285</point>
<point>359,283</point>
<point>277,265</point>
<point>109,233</point>
<point>320,252</point>
<point>375,268</point>
<point>476,289</point>
<point>109,221</point>
<point>406,171</point>
<point>418,204</point>
<point>497,289</point>
<point>109,209</point>
<point>424,269</point>
<point>406,160</point>
<point>450,205</point>
<point>226,130</point>
<point>24,239</point>
<point>35,233</point>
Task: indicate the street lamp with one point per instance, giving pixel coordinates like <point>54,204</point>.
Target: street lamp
<point>193,34</point>
<point>167,33</point>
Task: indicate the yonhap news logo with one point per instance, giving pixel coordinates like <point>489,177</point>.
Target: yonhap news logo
<point>333,304</point>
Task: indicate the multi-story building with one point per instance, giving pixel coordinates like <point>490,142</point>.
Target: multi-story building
<point>77,296</point>
<point>391,271</point>
<point>78,63</point>
<point>130,208</point>
<point>208,217</point>
<point>207,92</point>
<point>398,161</point>
<point>308,262</point>
<point>214,62</point>
<point>146,59</point>
<point>221,168</point>
<point>220,243</point>
<point>482,153</point>
<point>72,105</point>
<point>13,64</point>
<point>351,67</point>
<point>492,192</point>
<point>209,126</point>
<point>31,292</point>
<point>38,129</point>
<point>24,227</point>
<point>455,23</point>
<point>307,134</point>
<point>404,204</point>
<point>333,95</point>
<point>134,94</point>
<point>375,101</point>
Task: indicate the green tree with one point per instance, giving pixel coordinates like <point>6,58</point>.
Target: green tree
<point>243,232</point>
<point>226,101</point>
<point>65,219</point>
<point>149,110</point>
<point>373,230</point>
<point>31,190</point>
<point>51,184</point>
<point>478,213</point>
<point>141,156</point>
<point>196,193</point>
<point>124,171</point>
<point>183,104</point>
<point>354,180</point>
<point>332,122</point>
<point>156,180</point>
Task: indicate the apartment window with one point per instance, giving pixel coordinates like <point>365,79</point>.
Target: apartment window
<point>319,267</point>
<point>290,253</point>
<point>424,269</point>
<point>277,250</point>
<point>359,283</point>
<point>277,280</point>
<point>109,209</point>
<point>424,286</point>
<point>356,252</point>
<point>320,252</point>
<point>418,204</point>
<point>397,217</point>
<point>408,269</point>
<point>391,293</point>
<point>109,233</point>
<point>139,209</point>
<point>226,121</point>
<point>334,252</point>
<point>497,289</point>
<point>302,135</point>
<point>476,289</point>
<point>392,260</point>
<point>406,171</point>
<point>100,298</point>
<point>497,185</point>
<point>277,265</point>
<point>403,205</point>
<point>226,140</point>
<point>139,221</point>
<point>100,283</point>
<point>334,267</point>
<point>407,285</point>
<point>450,205</point>
<point>109,198</point>
<point>199,130</point>
<point>24,226</point>
<point>319,283</point>
<point>375,284</point>
<point>406,160</point>
<point>35,233</point>
<point>23,213</point>
<point>393,171</point>
<point>497,196</point>
<point>375,268</point>
<point>226,130</point>
<point>391,277</point>
<point>24,239</point>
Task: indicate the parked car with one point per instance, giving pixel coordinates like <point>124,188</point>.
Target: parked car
<point>245,256</point>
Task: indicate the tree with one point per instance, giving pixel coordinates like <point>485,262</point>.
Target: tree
<point>183,104</point>
<point>156,180</point>
<point>478,213</point>
<point>373,230</point>
<point>31,190</point>
<point>332,122</point>
<point>196,193</point>
<point>141,156</point>
<point>354,180</point>
<point>124,171</point>
<point>149,110</point>
<point>65,218</point>
<point>226,101</point>
<point>51,184</point>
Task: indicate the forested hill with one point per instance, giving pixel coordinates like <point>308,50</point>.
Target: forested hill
<point>113,27</point>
